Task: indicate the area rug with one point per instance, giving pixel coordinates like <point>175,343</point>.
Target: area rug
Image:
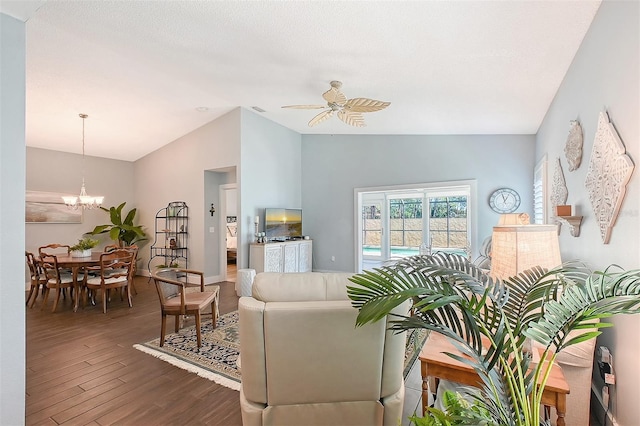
<point>217,359</point>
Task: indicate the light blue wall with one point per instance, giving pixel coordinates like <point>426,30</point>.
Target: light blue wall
<point>334,165</point>
<point>12,196</point>
<point>270,173</point>
<point>605,75</point>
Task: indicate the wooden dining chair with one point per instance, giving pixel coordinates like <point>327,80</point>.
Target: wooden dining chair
<point>38,278</point>
<point>134,249</point>
<point>172,284</point>
<point>57,279</point>
<point>54,249</point>
<point>115,271</point>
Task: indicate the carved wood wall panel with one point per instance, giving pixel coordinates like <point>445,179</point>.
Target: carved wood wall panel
<point>609,172</point>
<point>573,147</point>
<point>559,191</point>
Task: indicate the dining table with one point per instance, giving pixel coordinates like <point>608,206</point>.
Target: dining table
<point>75,264</point>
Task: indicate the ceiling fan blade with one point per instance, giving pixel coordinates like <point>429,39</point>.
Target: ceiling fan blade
<point>334,96</point>
<point>320,117</point>
<point>365,105</point>
<point>352,118</point>
<point>305,106</point>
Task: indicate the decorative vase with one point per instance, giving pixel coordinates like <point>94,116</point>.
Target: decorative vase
<point>81,253</point>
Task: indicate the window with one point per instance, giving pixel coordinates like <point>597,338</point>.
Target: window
<point>540,192</point>
<point>372,228</point>
<point>448,223</point>
<point>396,222</point>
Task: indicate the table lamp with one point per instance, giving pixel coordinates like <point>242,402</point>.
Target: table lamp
<point>516,248</point>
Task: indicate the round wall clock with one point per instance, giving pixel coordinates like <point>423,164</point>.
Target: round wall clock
<point>504,200</point>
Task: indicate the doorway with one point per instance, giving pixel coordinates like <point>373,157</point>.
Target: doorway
<point>229,217</point>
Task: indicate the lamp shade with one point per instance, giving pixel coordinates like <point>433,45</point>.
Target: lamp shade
<point>517,248</point>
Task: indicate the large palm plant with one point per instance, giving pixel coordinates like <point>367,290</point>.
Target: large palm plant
<point>122,231</point>
<point>453,297</point>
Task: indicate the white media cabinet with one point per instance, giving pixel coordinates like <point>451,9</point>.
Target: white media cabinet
<point>287,256</point>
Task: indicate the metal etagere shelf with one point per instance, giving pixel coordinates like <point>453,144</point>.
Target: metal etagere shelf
<point>171,236</point>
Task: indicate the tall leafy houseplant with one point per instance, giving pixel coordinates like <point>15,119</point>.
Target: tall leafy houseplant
<point>123,232</point>
<point>556,309</point>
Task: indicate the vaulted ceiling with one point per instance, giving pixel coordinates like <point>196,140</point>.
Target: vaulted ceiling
<point>147,73</point>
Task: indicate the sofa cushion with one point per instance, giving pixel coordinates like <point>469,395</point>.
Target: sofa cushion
<point>300,287</point>
<point>298,353</point>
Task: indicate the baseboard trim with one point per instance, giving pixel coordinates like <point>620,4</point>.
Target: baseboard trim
<point>611,420</point>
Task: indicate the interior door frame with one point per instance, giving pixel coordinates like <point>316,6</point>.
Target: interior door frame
<point>222,226</point>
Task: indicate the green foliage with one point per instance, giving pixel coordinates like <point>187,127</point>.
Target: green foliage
<point>171,265</point>
<point>556,309</point>
<point>458,411</point>
<point>85,244</point>
<point>124,232</point>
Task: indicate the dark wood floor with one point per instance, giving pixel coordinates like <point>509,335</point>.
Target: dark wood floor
<point>82,368</point>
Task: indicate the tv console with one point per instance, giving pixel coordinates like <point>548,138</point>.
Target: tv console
<point>281,256</point>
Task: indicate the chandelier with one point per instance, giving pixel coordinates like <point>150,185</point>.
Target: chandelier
<point>83,201</point>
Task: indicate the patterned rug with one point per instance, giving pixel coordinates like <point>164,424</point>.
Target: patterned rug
<point>217,358</point>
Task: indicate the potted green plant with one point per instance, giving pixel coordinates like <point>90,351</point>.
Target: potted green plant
<point>83,247</point>
<point>122,231</point>
<point>458,411</point>
<point>556,309</point>
<point>171,265</point>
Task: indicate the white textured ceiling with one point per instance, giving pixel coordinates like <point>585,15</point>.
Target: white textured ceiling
<point>140,69</point>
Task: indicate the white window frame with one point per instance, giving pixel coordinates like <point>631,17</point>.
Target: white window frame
<point>540,204</point>
<point>445,187</point>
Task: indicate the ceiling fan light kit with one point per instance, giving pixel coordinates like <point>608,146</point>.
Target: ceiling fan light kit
<point>348,110</point>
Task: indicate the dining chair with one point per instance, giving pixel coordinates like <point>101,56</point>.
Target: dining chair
<point>115,271</point>
<point>58,250</point>
<point>134,249</point>
<point>172,284</point>
<point>54,249</point>
<point>57,278</point>
<point>38,278</point>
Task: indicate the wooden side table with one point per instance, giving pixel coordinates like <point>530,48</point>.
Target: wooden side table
<point>434,362</point>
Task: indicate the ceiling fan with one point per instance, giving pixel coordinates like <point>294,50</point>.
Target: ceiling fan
<point>348,110</point>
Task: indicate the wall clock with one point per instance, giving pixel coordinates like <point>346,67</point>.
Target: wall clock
<point>504,200</point>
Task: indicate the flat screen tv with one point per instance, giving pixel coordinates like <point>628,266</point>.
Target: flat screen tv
<point>283,224</point>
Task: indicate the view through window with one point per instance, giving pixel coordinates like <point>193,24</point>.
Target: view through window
<point>402,223</point>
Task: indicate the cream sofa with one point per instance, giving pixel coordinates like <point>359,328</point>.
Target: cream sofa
<point>303,361</point>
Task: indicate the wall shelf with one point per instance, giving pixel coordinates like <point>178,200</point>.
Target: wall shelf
<point>573,222</point>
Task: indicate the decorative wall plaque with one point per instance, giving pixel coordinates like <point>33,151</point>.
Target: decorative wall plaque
<point>559,191</point>
<point>573,147</point>
<point>609,172</point>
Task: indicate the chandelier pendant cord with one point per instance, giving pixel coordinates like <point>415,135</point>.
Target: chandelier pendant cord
<point>83,201</point>
<point>83,116</point>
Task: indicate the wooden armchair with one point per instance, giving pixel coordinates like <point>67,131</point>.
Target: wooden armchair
<point>115,271</point>
<point>172,284</point>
